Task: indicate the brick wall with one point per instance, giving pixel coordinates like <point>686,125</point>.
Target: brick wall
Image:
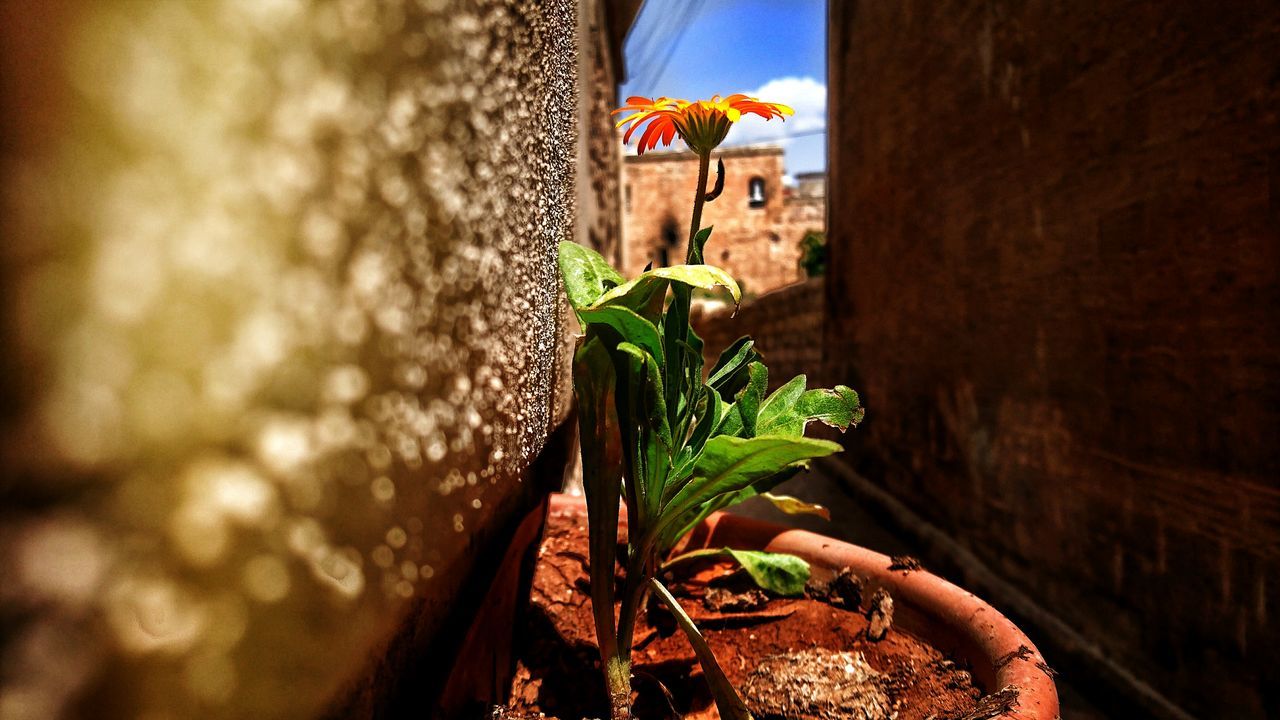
<point>757,245</point>
<point>786,325</point>
<point>1055,274</point>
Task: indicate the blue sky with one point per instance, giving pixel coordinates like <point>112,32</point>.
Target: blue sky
<point>775,49</point>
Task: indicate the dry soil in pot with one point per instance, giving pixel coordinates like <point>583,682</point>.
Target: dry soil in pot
<point>808,657</point>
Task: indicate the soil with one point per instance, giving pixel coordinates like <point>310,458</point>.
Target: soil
<point>802,658</point>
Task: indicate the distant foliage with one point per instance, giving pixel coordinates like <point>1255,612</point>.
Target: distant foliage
<point>813,253</point>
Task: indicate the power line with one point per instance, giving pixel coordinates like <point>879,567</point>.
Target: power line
<point>678,22</point>
<point>776,138</point>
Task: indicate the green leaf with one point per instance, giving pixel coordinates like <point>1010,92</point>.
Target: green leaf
<point>796,506</point>
<point>780,405</point>
<point>675,335</point>
<point>699,242</point>
<point>778,573</point>
<point>740,421</point>
<point>692,519</point>
<point>626,326</point>
<point>728,465</point>
<point>646,435</point>
<point>709,410</point>
<point>699,276</point>
<point>593,381</point>
<point>791,408</point>
<point>587,275</point>
<point>838,407</point>
<point>728,703</point>
<point>729,375</point>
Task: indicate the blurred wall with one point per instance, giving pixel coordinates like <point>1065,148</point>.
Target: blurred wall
<point>756,242</point>
<point>1055,274</point>
<point>280,329</point>
<point>786,325</point>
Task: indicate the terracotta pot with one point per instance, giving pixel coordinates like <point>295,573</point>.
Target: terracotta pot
<point>955,621</point>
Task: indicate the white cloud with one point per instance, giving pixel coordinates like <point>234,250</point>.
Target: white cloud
<point>805,95</point>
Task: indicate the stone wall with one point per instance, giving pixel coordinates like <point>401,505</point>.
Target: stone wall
<point>279,332</point>
<point>757,245</point>
<point>786,325</point>
<point>600,200</point>
<point>1055,269</point>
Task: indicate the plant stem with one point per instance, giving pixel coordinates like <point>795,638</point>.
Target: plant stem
<point>704,169</point>
<point>617,674</point>
<point>618,666</point>
<point>632,597</point>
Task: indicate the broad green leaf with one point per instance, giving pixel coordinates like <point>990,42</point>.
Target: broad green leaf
<point>587,275</point>
<point>627,326</point>
<point>601,477</point>
<point>693,518</point>
<point>778,573</point>
<point>699,276</point>
<point>728,465</point>
<point>729,375</point>
<point>790,413</point>
<point>838,407</point>
<point>796,506</point>
<point>780,404</point>
<point>728,703</point>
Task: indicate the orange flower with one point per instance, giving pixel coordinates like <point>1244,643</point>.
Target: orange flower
<point>702,124</point>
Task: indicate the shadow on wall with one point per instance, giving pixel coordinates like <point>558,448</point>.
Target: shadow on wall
<point>281,334</point>
<point>1054,278</point>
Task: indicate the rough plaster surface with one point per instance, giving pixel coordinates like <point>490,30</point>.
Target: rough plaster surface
<point>1055,236</point>
<point>280,331</point>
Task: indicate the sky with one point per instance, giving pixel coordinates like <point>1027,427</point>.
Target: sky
<point>772,49</point>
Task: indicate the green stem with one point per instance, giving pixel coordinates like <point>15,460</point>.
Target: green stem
<point>632,598</point>
<point>704,170</point>
<point>618,666</point>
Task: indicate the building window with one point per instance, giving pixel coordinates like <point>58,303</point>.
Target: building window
<point>626,198</point>
<point>670,242</point>
<point>755,192</point>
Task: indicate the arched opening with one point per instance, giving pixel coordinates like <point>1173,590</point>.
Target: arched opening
<point>756,192</point>
<point>668,243</point>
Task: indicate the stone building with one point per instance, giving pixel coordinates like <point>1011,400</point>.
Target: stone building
<point>758,221</point>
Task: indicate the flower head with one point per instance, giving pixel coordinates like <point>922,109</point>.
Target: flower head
<point>702,124</point>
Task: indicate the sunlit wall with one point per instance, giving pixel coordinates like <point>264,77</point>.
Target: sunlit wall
<point>280,325</point>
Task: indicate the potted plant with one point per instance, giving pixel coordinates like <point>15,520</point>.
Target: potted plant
<point>666,446</point>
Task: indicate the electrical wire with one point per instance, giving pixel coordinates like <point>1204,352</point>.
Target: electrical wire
<point>671,25</point>
<point>777,138</point>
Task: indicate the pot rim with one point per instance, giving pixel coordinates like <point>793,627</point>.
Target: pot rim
<point>952,619</point>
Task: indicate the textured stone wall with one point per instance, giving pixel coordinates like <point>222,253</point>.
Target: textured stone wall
<point>786,325</point>
<point>280,319</point>
<point>1055,269</point>
<point>757,245</point>
<point>600,212</point>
